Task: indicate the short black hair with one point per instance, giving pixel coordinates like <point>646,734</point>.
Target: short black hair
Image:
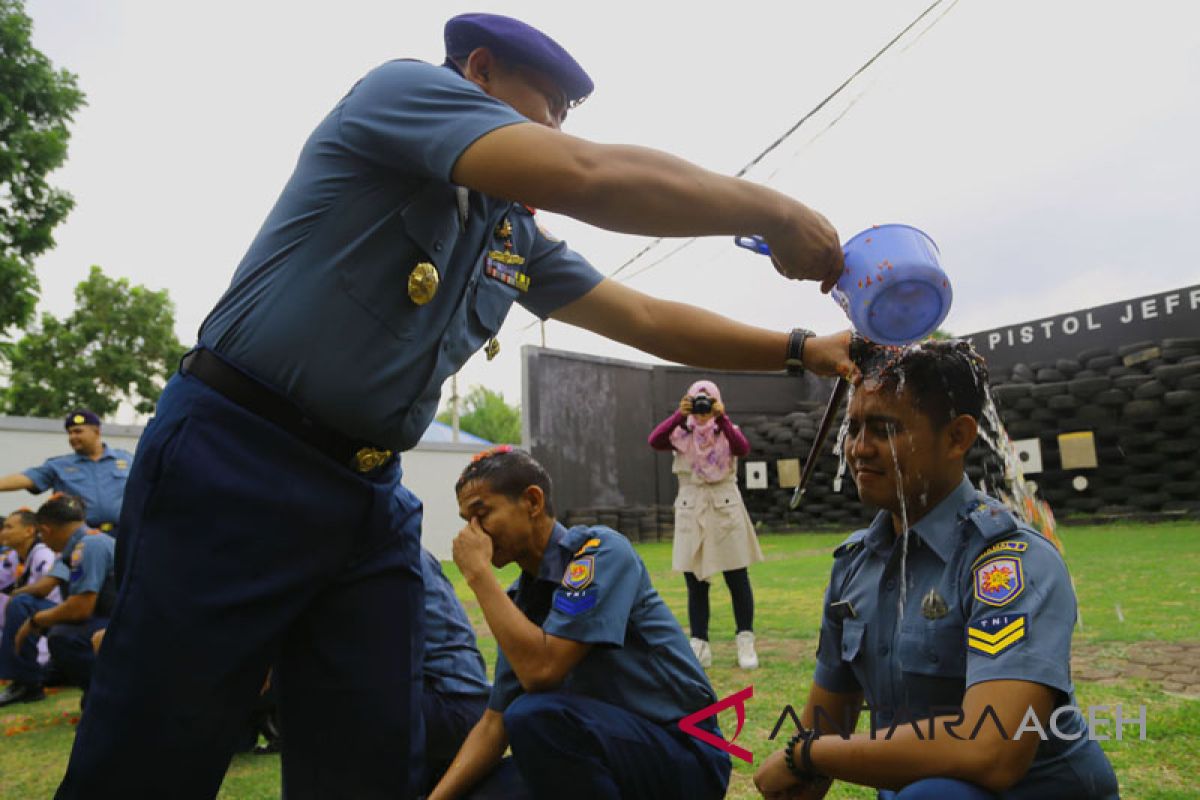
<point>508,471</point>
<point>944,377</point>
<point>60,509</point>
<point>25,516</point>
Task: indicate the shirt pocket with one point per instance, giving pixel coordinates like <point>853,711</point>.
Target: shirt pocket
<point>853,631</point>
<point>933,661</point>
<point>491,303</point>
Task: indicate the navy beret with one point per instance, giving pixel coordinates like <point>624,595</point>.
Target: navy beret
<point>81,416</point>
<point>510,38</point>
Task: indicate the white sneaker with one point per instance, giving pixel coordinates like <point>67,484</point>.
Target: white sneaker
<point>747,658</point>
<point>703,652</point>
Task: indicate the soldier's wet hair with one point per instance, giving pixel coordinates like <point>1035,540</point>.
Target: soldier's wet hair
<point>61,509</point>
<point>944,378</point>
<point>508,471</point>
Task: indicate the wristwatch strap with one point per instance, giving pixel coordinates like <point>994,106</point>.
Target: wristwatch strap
<point>795,350</point>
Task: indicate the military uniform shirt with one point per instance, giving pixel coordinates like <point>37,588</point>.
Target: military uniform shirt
<point>987,599</point>
<point>86,565</point>
<point>453,664</point>
<point>593,588</point>
<point>320,307</point>
<point>101,483</point>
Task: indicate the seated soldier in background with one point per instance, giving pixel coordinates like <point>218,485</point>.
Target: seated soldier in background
<point>84,570</point>
<point>947,612</point>
<point>456,686</point>
<point>29,559</point>
<point>594,672</point>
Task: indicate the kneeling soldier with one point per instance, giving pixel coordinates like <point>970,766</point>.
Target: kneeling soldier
<point>594,672</point>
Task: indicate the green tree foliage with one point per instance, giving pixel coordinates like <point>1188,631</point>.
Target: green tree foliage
<point>36,103</point>
<point>487,415</point>
<point>118,345</point>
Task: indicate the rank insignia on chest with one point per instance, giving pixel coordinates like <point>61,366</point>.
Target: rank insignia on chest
<point>504,229</point>
<point>579,573</point>
<point>997,633</point>
<point>999,580</point>
<point>933,605</point>
<point>423,283</point>
<point>122,464</point>
<point>503,267</point>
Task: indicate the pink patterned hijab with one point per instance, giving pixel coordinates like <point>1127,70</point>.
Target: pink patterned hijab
<point>702,443</point>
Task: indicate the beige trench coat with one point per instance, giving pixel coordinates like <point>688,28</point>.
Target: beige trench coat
<point>713,531</point>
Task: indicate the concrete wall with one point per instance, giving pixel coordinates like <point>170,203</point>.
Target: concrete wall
<point>430,470</point>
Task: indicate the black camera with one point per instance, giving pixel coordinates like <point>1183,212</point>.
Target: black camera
<point>702,404</point>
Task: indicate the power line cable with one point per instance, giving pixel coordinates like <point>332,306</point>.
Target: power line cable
<point>790,131</point>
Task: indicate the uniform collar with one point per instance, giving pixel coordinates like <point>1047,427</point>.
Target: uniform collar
<point>76,537</point>
<point>938,528</point>
<point>556,555</point>
<point>104,453</point>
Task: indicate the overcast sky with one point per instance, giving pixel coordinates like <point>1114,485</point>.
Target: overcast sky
<point>1049,148</point>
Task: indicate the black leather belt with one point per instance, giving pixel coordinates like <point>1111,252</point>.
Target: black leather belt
<point>262,401</point>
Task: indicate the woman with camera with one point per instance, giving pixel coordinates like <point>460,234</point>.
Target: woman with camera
<point>713,532</point>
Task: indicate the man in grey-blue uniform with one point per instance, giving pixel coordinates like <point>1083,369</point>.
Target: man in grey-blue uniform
<point>94,472</point>
<point>456,684</point>
<point>594,673</point>
<point>395,251</point>
<point>951,616</point>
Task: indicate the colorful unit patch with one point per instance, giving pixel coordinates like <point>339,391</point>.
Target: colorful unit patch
<point>503,267</point>
<point>77,555</point>
<point>590,544</point>
<point>572,603</point>
<point>993,635</point>
<point>998,581</point>
<point>579,573</point>
<point>1010,547</point>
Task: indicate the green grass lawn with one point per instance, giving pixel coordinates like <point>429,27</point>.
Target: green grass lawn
<point>1137,585</point>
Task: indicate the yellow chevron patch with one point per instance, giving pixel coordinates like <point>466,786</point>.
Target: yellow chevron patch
<point>995,634</point>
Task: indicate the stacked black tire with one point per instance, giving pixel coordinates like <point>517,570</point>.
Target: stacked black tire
<point>1142,403</point>
<point>637,523</point>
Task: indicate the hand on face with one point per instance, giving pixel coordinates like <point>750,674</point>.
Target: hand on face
<point>473,550</point>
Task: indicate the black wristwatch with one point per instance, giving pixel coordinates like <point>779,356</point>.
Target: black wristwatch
<point>795,350</point>
<point>805,771</point>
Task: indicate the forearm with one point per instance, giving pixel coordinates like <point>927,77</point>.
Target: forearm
<point>620,187</point>
<point>40,588</point>
<point>739,445</point>
<point>17,480</point>
<point>77,608</point>
<point>660,437</point>
<point>479,755</point>
<point>523,643</point>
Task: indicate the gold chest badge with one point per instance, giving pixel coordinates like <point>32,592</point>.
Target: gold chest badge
<point>423,283</point>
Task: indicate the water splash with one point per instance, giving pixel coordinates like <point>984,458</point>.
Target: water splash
<point>891,434</point>
<point>839,447</point>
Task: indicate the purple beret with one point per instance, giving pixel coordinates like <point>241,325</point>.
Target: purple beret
<point>510,38</point>
<point>81,416</point>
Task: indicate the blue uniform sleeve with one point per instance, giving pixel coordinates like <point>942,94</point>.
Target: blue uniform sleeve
<point>505,686</point>
<point>833,672</point>
<point>1022,613</point>
<point>93,568</point>
<point>43,477</point>
<point>558,275</point>
<point>418,118</point>
<point>60,571</point>
<point>599,587</point>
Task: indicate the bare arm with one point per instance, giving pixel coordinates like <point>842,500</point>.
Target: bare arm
<point>838,715</point>
<point>971,748</point>
<point>39,588</point>
<point>17,480</point>
<point>479,755</point>
<point>639,190</point>
<point>76,608</point>
<point>696,337</point>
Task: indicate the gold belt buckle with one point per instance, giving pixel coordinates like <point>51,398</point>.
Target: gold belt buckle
<point>369,458</point>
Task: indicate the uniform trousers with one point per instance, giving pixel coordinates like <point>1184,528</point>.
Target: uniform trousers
<point>243,547</point>
<point>567,745</point>
<point>71,650</point>
<point>21,667</point>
